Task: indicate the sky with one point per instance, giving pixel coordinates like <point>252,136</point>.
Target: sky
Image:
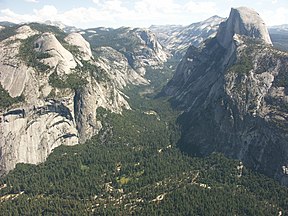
<point>135,13</point>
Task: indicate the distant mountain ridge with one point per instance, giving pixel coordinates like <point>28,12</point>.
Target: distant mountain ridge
<point>279,36</point>
<point>7,24</point>
<point>279,27</point>
<point>62,26</point>
<point>178,38</point>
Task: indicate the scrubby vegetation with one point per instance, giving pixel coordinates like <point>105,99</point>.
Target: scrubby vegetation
<point>244,61</point>
<point>243,65</point>
<point>77,78</point>
<point>97,72</point>
<point>48,28</point>
<point>281,79</point>
<point>6,100</point>
<point>32,57</point>
<point>73,81</point>
<point>7,32</point>
<point>118,39</point>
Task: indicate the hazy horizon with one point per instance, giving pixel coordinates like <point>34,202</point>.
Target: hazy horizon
<point>138,13</point>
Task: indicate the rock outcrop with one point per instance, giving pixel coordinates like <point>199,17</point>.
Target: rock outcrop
<point>112,60</point>
<point>165,32</point>
<point>234,95</point>
<point>139,46</point>
<point>149,52</point>
<point>242,21</point>
<point>61,85</point>
<point>60,58</point>
<point>30,130</point>
<point>76,39</point>
<point>30,133</point>
<point>116,74</point>
<point>14,74</point>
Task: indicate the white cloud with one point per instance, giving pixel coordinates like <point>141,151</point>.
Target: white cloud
<point>157,7</point>
<point>201,7</point>
<point>276,17</point>
<point>114,6</point>
<point>46,13</point>
<point>85,17</point>
<point>115,13</point>
<point>32,1</point>
<point>281,16</point>
<point>9,15</point>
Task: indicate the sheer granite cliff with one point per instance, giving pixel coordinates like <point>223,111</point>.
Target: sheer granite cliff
<point>61,85</point>
<point>234,95</point>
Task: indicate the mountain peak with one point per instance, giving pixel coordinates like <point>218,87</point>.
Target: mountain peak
<point>243,21</point>
<point>214,18</point>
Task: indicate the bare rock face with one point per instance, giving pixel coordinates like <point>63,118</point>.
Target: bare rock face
<point>61,59</point>
<point>234,96</point>
<point>29,134</point>
<point>23,32</point>
<point>76,39</point>
<point>139,46</point>
<point>55,109</point>
<point>115,74</point>
<point>242,21</point>
<point>14,74</point>
<point>149,53</point>
<point>30,130</point>
<point>112,60</point>
<point>149,39</point>
<point>93,96</point>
